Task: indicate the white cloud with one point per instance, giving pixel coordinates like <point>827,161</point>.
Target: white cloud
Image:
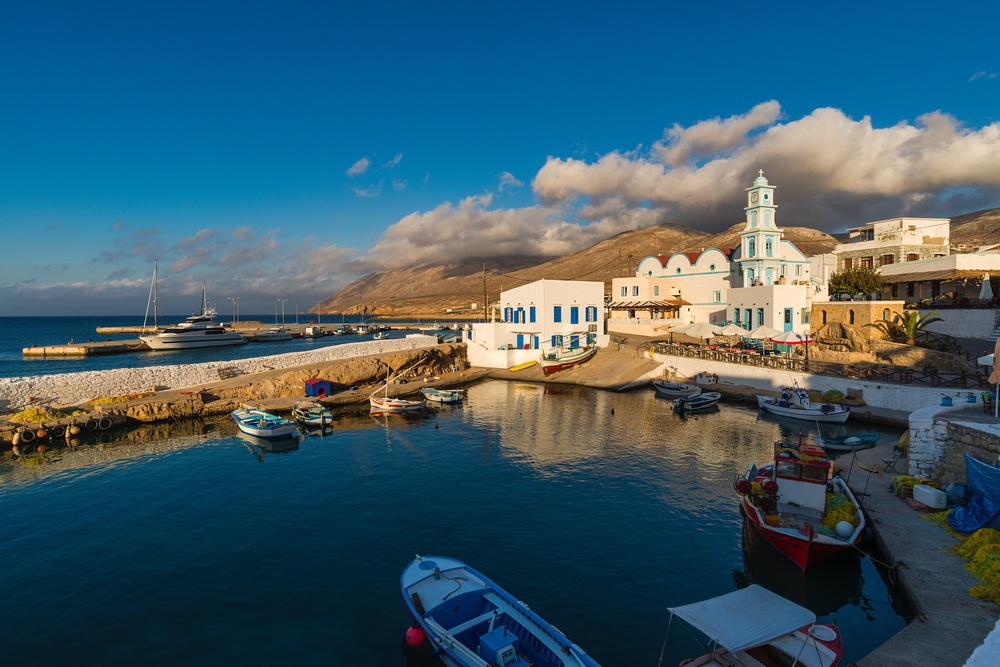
<point>393,162</point>
<point>507,180</point>
<point>708,137</point>
<point>369,192</point>
<point>359,167</point>
<point>983,75</point>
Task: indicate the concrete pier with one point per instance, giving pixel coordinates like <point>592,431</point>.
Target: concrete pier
<point>85,349</point>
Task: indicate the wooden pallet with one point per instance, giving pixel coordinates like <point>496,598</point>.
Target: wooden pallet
<point>228,372</point>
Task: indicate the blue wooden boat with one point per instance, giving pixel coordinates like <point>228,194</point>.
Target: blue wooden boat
<point>262,424</point>
<point>447,396</point>
<point>310,413</point>
<point>472,622</point>
<point>846,443</point>
<point>698,403</point>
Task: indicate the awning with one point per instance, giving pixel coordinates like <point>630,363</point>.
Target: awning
<point>927,276</point>
<point>667,303</point>
<point>745,618</point>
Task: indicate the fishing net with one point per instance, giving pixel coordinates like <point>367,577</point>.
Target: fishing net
<point>982,549</point>
<point>839,508</point>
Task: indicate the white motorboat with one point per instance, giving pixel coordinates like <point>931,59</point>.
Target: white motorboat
<point>273,334</point>
<point>314,332</point>
<point>698,403</point>
<point>386,404</point>
<point>199,330</point>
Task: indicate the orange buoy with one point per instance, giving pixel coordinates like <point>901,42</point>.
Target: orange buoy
<point>41,449</point>
<point>41,434</point>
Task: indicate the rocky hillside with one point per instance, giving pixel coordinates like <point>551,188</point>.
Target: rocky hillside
<point>443,290</point>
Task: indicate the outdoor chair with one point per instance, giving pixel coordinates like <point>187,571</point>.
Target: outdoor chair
<point>987,402</point>
<point>889,464</point>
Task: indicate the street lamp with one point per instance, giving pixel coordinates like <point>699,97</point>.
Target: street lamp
<point>296,312</point>
<point>319,317</point>
<point>236,302</point>
<point>282,311</point>
<point>276,311</point>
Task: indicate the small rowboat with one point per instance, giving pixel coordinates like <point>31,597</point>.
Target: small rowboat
<point>846,443</point>
<point>675,389</point>
<point>310,413</point>
<point>560,358</point>
<point>472,622</point>
<point>699,403</point>
<point>448,396</point>
<point>262,424</point>
<point>794,402</point>
<point>386,404</point>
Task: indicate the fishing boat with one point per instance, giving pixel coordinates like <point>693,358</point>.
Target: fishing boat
<point>699,403</point>
<point>386,404</point>
<point>795,505</point>
<point>313,332</point>
<point>675,389</point>
<point>794,402</point>
<point>561,357</point>
<point>262,424</point>
<point>310,413</point>
<point>472,622</point>
<point>449,396</point>
<point>199,330</point>
<point>753,626</point>
<point>846,443</point>
<point>273,334</point>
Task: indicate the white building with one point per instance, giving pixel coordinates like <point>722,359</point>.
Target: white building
<point>766,279</point>
<point>894,241</point>
<point>538,317</point>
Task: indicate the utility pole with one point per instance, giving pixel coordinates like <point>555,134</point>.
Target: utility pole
<point>486,298</point>
<point>296,312</point>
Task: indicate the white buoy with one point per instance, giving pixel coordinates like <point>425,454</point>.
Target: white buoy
<point>844,528</point>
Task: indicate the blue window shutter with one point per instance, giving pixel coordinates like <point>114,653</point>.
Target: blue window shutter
<point>574,314</point>
<point>531,314</point>
<point>557,313</point>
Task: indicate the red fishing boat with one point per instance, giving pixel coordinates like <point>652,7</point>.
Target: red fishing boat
<point>797,506</point>
<point>560,358</point>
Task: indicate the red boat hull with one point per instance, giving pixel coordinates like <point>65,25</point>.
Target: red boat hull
<point>803,550</point>
<point>550,367</point>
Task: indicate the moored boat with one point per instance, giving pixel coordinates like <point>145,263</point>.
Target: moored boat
<point>559,358</point>
<point>262,424</point>
<point>449,396</point>
<point>753,626</point>
<point>313,332</point>
<point>473,622</point>
<point>310,413</point>
<point>698,403</point>
<point>846,443</point>
<point>794,402</point>
<point>196,331</point>
<point>675,389</point>
<point>386,404</point>
<point>273,334</point>
<point>795,505</point>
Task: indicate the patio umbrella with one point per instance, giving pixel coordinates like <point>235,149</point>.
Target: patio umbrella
<point>762,332</point>
<point>732,330</point>
<point>986,292</point>
<point>701,330</point>
<point>791,338</point>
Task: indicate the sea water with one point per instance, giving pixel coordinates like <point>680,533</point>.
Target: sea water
<point>188,544</point>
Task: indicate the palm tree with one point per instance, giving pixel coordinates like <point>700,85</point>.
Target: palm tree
<point>907,325</point>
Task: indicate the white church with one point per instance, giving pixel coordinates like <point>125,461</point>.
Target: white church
<point>766,280</point>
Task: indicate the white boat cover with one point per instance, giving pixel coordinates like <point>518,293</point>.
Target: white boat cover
<point>745,618</point>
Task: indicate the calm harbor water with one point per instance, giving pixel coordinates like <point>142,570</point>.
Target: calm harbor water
<point>185,544</point>
<point>17,333</point>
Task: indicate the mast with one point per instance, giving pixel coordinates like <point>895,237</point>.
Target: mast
<point>151,299</point>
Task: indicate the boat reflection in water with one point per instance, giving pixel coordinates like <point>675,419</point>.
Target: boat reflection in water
<point>824,589</point>
<point>259,446</point>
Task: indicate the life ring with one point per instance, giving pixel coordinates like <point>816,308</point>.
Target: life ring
<point>105,423</point>
<point>27,436</point>
<point>90,424</point>
<point>57,431</point>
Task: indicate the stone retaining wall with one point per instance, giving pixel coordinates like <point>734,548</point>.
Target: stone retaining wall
<point>961,439</point>
<point>939,442</point>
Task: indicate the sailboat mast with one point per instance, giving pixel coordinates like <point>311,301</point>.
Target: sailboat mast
<point>151,299</point>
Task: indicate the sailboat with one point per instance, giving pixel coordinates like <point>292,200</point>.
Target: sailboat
<point>199,330</point>
<point>385,403</point>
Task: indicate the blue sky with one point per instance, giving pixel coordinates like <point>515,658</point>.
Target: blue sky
<point>282,150</point>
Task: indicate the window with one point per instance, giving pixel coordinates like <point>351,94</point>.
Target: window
<point>591,313</point>
<point>711,267</point>
<point>635,290</point>
<point>784,270</point>
<point>909,288</point>
<point>678,269</point>
<point>520,316</point>
<point>508,314</point>
<point>624,290</point>
<point>885,315</point>
<point>760,317</point>
<point>574,314</point>
<point>557,313</point>
<point>851,316</point>
<point>656,290</point>
<point>824,316</point>
<point>886,259</point>
<point>798,269</point>
<point>769,247</point>
<point>531,317</point>
<point>805,316</point>
<point>717,297</point>
<point>736,316</point>
<point>866,262</point>
<point>749,277</point>
<point>751,247</point>
<point>912,257</point>
<point>848,263</point>
<point>788,315</point>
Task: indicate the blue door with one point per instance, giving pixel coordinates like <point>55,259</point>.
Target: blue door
<point>520,341</point>
<point>535,343</point>
<point>788,319</point>
<point>574,315</point>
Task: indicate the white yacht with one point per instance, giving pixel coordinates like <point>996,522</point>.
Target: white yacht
<point>273,334</point>
<point>196,331</point>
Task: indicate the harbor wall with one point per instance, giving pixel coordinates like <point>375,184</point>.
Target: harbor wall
<point>76,388</point>
<point>939,442</point>
<point>903,398</point>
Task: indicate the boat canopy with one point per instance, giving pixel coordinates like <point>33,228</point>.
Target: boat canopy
<point>745,618</point>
